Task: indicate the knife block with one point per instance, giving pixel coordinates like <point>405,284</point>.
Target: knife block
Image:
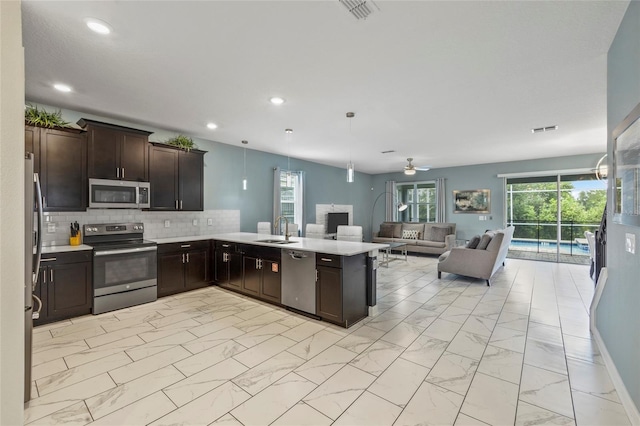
<point>75,241</point>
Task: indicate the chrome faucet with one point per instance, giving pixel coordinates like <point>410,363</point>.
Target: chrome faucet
<point>286,226</point>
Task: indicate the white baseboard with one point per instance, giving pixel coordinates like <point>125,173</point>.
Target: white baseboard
<point>621,389</point>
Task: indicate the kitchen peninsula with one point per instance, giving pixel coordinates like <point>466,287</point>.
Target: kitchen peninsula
<point>330,279</point>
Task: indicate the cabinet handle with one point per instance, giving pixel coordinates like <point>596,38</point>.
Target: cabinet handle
<point>51,276</point>
<point>257,264</point>
<point>118,172</point>
<point>225,257</point>
<point>123,173</point>
<point>324,259</point>
<point>182,257</point>
<point>49,259</point>
<point>180,204</point>
<point>44,276</point>
<point>176,204</point>
<point>185,245</point>
<point>187,257</point>
<point>44,201</point>
<point>225,245</point>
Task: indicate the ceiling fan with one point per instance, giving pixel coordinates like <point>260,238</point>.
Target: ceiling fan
<point>411,170</point>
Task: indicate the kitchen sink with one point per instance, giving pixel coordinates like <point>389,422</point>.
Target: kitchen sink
<point>276,241</point>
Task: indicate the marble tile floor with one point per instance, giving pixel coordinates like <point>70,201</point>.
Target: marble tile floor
<point>450,351</point>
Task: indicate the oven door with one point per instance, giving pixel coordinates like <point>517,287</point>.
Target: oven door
<point>126,269</point>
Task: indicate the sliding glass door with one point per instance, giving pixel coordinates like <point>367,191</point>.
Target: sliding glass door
<point>546,229</point>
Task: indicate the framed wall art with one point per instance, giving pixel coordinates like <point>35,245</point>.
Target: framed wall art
<point>472,201</point>
<point>624,182</point>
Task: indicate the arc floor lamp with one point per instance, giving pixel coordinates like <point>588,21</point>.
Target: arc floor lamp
<point>400,206</point>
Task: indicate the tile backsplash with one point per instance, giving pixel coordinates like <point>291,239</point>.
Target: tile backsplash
<point>56,225</point>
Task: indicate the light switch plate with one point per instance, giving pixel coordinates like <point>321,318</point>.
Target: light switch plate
<point>195,222</point>
<point>167,223</point>
<point>210,222</point>
<point>630,243</point>
<point>51,227</point>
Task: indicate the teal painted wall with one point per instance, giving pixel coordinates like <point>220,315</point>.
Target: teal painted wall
<point>223,174</point>
<point>617,316</point>
<point>481,176</point>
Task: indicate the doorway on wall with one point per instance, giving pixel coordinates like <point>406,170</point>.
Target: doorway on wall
<point>551,215</point>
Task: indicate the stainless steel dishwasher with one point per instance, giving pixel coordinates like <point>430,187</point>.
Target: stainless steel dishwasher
<point>299,280</point>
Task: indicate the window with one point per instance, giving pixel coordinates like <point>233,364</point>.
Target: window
<point>291,197</point>
<point>421,199</point>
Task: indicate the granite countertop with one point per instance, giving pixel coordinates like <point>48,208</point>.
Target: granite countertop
<point>61,249</point>
<point>341,248</point>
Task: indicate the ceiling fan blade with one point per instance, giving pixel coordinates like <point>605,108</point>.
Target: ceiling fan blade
<point>422,168</point>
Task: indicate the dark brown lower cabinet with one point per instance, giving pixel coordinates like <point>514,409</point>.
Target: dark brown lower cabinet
<point>251,270</point>
<point>252,276</point>
<point>228,265</point>
<point>262,277</point>
<point>64,286</point>
<point>183,266</point>
<point>341,293</point>
<point>271,288</point>
<point>329,293</point>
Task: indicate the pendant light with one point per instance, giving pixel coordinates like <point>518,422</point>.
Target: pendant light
<point>244,179</point>
<point>350,168</point>
<point>288,134</point>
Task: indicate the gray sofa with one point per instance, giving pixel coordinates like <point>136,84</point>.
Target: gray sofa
<point>481,262</point>
<point>430,238</point>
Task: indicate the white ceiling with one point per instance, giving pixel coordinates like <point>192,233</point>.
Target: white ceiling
<point>447,83</point>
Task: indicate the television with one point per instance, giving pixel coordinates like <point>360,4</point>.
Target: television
<point>336,219</point>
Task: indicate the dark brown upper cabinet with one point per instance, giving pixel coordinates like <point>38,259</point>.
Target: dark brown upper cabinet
<point>61,162</point>
<point>116,152</point>
<point>176,177</point>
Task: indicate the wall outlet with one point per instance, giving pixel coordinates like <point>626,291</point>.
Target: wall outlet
<point>167,223</point>
<point>195,222</point>
<point>51,227</point>
<point>630,243</point>
<point>210,222</point>
<point>482,218</point>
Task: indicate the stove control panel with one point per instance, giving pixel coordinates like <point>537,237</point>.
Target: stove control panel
<point>113,228</point>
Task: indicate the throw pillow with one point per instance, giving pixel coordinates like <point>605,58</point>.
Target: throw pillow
<point>484,242</point>
<point>439,233</point>
<point>410,234</point>
<point>473,242</point>
<point>386,231</point>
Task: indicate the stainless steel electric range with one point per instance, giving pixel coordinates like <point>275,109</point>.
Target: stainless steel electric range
<point>124,266</point>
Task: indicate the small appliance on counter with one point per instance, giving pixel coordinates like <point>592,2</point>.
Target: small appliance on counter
<point>122,194</point>
<point>124,266</point>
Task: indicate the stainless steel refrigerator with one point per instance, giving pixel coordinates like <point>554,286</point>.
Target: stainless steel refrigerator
<point>33,251</point>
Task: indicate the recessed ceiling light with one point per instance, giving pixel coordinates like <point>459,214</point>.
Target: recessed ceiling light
<point>98,26</point>
<point>212,126</point>
<point>276,100</point>
<point>62,87</point>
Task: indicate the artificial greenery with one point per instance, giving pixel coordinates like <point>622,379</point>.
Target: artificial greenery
<point>41,118</point>
<point>182,141</point>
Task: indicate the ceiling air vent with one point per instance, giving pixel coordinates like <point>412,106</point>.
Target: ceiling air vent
<point>359,8</point>
<point>544,129</point>
<point>389,151</point>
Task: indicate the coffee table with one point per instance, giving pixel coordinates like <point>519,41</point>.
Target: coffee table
<point>386,252</point>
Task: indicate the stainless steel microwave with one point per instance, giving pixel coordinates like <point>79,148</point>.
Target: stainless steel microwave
<point>118,194</point>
